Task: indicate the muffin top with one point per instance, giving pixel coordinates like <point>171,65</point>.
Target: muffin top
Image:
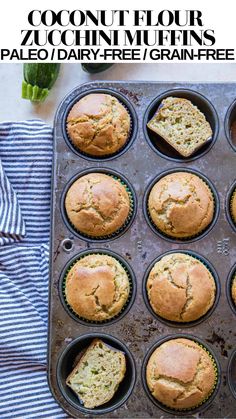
<point>98,124</point>
<point>180,374</point>
<point>181,204</point>
<point>233,290</point>
<point>97,287</point>
<point>180,288</point>
<point>97,204</point>
<point>233,207</point>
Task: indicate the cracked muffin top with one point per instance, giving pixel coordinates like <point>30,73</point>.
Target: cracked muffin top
<point>98,124</point>
<point>180,288</point>
<point>233,207</point>
<point>180,374</point>
<point>233,290</point>
<point>97,204</point>
<point>181,205</point>
<point>97,287</point>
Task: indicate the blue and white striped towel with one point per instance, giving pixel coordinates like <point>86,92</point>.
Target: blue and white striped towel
<point>25,175</point>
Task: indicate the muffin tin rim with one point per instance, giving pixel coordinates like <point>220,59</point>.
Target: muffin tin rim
<point>231,360</point>
<point>181,159</point>
<point>226,124</point>
<point>127,105</point>
<point>110,172</point>
<point>123,347</point>
<point>202,233</point>
<point>228,197</point>
<point>127,307</point>
<point>207,264</point>
<point>166,409</point>
<point>228,285</point>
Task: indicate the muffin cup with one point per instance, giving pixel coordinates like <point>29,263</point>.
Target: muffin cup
<point>67,361</point>
<point>176,324</point>
<point>230,118</point>
<point>133,125</point>
<point>231,373</point>
<point>228,205</point>
<point>228,284</point>
<point>160,146</point>
<point>132,282</point>
<point>205,403</point>
<point>189,239</point>
<point>129,220</point>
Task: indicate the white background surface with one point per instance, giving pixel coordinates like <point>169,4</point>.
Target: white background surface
<point>12,107</point>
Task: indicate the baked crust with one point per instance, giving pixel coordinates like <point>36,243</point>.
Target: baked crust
<point>233,290</point>
<point>180,288</point>
<point>180,374</point>
<point>97,287</point>
<point>98,124</point>
<point>181,204</point>
<point>233,207</point>
<point>97,204</point>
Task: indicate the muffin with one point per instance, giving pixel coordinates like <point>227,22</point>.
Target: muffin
<point>233,207</point>
<point>97,287</point>
<point>181,205</point>
<point>233,290</point>
<point>97,375</point>
<point>97,205</point>
<point>98,124</point>
<point>180,288</point>
<point>180,374</point>
<point>181,124</point>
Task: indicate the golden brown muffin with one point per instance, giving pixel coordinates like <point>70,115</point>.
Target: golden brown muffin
<point>233,290</point>
<point>181,205</point>
<point>97,205</point>
<point>180,288</point>
<point>233,207</point>
<point>180,374</point>
<point>97,287</point>
<point>98,124</point>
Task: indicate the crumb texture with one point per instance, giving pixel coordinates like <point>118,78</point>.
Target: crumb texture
<point>181,124</point>
<point>180,374</point>
<point>97,205</point>
<point>181,205</point>
<point>233,290</point>
<point>97,287</point>
<point>98,124</point>
<point>97,376</point>
<point>180,288</point>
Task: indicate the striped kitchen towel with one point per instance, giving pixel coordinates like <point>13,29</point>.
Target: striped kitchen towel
<point>25,176</point>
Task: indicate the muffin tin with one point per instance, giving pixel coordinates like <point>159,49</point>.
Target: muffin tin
<point>138,329</point>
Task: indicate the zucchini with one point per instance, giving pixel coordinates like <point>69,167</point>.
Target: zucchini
<point>95,68</point>
<point>38,80</point>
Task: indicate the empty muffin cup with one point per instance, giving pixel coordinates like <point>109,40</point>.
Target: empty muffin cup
<point>231,373</point>
<point>118,129</point>
<point>181,383</point>
<point>231,289</point>
<point>101,202</point>
<point>230,125</point>
<point>230,206</point>
<point>98,297</point>
<point>69,358</point>
<point>177,294</point>
<point>173,208</point>
<point>162,147</point>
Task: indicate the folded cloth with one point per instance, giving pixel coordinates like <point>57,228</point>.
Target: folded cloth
<point>25,176</point>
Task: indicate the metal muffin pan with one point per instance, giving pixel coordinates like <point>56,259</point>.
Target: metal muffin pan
<point>138,329</point>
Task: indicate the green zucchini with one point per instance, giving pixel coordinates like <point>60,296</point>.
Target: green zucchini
<point>96,67</point>
<point>38,80</point>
